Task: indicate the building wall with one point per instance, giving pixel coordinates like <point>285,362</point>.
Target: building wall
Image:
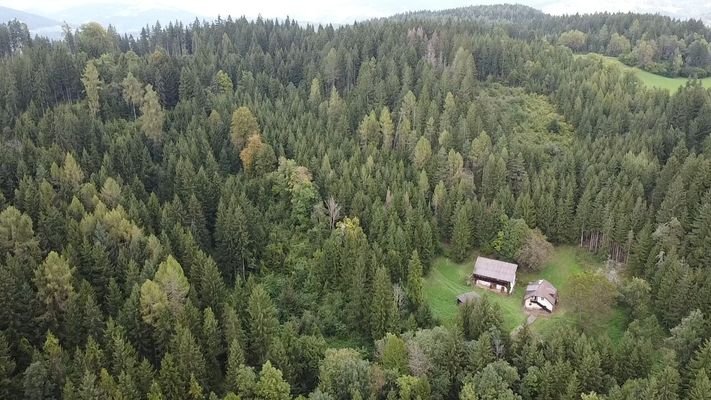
<point>488,285</point>
<point>529,304</point>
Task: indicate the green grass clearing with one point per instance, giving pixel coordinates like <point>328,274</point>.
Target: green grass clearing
<point>650,79</point>
<point>448,279</point>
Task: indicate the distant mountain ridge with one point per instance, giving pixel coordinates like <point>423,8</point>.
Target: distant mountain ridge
<point>126,18</point>
<point>536,11</point>
<point>33,21</point>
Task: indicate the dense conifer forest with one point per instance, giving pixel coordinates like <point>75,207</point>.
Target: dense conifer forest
<point>243,209</point>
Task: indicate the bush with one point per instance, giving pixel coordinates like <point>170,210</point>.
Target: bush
<point>535,250</point>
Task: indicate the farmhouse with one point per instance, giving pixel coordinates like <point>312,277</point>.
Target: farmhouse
<point>494,274</point>
<point>540,295</point>
<point>467,297</point>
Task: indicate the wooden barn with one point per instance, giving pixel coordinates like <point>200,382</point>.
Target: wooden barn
<point>499,276</point>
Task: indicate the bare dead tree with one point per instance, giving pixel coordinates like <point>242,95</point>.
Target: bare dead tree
<point>334,211</point>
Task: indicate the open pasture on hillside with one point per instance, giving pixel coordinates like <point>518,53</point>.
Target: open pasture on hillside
<point>448,279</point>
<point>649,79</point>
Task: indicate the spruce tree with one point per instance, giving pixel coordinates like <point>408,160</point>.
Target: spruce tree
<point>414,281</point>
<point>212,346</point>
<point>461,233</point>
<point>699,239</point>
<point>271,385</point>
<point>701,387</point>
<point>381,304</point>
<point>262,323</point>
<point>7,369</point>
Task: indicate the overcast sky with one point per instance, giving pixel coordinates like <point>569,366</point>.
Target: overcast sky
<point>343,11</point>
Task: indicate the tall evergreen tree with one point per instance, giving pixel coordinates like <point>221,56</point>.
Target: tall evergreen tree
<point>461,233</point>
<point>415,281</point>
<point>262,323</point>
<point>381,304</point>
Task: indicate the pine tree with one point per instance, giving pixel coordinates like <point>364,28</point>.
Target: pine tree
<point>155,393</point>
<point>189,359</point>
<point>387,128</point>
<point>699,240</point>
<point>88,389</point>
<point>54,284</point>
<point>687,336</point>
<point>235,360</point>
<point>588,366</point>
<point>468,392</point>
<point>212,342</point>
<point>232,239</point>
<point>493,177</point>
<point>37,383</point>
<point>664,385</point>
<point>670,303</point>
<point>249,153</point>
<point>263,323</point>
<point>369,130</point>
<point>232,327</point>
<point>640,251</point>
<point>394,354</point>
<point>381,304</point>
<point>195,391</point>
<point>132,92</point>
<point>315,93</point>
<point>17,238</point>
<point>422,153</point>
<point>701,360</point>
<point>461,234</point>
<point>244,125</point>
<point>271,385</point>
<point>7,368</point>
<point>701,387</point>
<point>152,117</point>
<point>172,280</point>
<point>414,281</point>
<point>674,204</point>
<point>154,303</point>
<point>223,83</point>
<point>172,385</point>
<point>92,85</point>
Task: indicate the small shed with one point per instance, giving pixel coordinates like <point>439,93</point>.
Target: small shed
<point>540,295</point>
<point>493,274</point>
<point>467,297</point>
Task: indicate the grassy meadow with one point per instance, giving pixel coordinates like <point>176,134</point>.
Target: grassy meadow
<point>650,79</point>
<point>447,279</point>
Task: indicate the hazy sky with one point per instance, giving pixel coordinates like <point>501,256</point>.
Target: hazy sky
<point>342,11</point>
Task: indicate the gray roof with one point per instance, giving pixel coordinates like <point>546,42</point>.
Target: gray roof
<point>495,269</point>
<point>542,288</point>
<point>467,297</point>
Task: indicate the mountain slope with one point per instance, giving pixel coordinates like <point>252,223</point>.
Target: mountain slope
<point>33,21</point>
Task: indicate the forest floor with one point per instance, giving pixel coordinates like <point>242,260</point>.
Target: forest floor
<point>447,279</point>
<point>653,80</point>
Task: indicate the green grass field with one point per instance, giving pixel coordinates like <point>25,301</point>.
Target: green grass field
<point>447,280</point>
<point>650,79</point>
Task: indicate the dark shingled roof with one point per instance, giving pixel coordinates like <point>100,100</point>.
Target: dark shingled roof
<point>495,269</point>
<point>467,297</point>
<point>542,288</point>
